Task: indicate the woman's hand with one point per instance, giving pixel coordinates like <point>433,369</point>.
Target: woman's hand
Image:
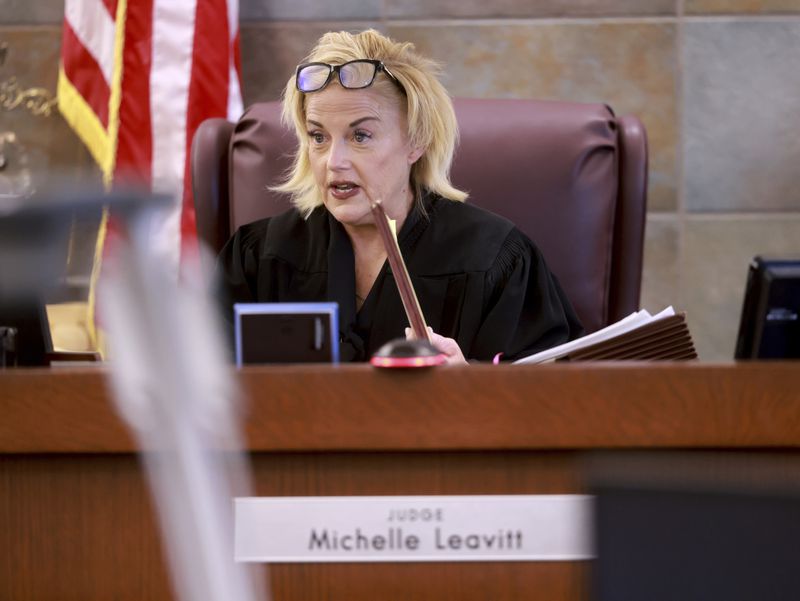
<point>448,346</point>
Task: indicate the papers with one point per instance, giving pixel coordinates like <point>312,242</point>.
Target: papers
<point>634,321</point>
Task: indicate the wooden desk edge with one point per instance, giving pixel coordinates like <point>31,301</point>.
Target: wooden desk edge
<point>359,408</point>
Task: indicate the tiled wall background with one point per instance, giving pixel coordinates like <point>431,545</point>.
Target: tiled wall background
<point>716,82</point>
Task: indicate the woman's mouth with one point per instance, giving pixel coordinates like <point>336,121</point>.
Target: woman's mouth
<point>343,190</point>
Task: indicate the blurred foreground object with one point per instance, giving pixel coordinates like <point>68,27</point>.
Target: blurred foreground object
<point>34,235</point>
<point>696,527</point>
<point>174,389</point>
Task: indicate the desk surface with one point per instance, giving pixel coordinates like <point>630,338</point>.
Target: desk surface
<point>78,517</point>
<point>357,407</point>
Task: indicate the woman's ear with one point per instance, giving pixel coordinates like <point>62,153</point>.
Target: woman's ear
<point>415,154</point>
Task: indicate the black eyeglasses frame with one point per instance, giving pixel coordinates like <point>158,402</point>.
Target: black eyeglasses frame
<point>379,66</point>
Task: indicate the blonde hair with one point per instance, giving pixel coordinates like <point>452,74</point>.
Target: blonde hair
<point>431,119</point>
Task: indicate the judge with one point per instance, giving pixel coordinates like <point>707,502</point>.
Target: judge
<point>373,122</point>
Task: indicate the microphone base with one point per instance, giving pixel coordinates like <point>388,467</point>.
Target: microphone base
<point>407,354</point>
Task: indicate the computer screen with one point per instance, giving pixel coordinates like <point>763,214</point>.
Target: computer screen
<point>769,327</point>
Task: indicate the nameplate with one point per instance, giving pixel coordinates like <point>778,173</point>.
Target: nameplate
<point>418,528</point>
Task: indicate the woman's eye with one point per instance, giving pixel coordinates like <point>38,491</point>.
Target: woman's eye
<point>361,136</point>
<point>317,137</point>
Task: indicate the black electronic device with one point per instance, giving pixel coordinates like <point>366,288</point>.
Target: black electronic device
<point>286,333</point>
<point>770,325</point>
<point>24,335</point>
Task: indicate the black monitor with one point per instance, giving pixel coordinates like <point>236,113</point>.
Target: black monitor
<point>769,326</point>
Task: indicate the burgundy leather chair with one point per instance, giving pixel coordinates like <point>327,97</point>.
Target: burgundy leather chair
<point>572,176</point>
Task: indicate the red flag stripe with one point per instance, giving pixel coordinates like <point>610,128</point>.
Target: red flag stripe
<point>85,74</point>
<point>134,142</point>
<point>208,96</point>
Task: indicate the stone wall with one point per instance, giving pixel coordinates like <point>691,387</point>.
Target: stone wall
<point>716,82</point>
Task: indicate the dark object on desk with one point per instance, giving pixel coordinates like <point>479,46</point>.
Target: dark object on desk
<point>24,335</point>
<point>587,169</point>
<point>8,346</point>
<point>698,527</point>
<point>770,321</point>
<point>408,353</point>
<point>286,333</point>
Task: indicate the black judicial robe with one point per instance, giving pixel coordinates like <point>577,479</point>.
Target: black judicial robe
<point>479,280</point>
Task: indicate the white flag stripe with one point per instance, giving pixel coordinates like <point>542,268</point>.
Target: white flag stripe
<point>235,102</point>
<point>170,77</point>
<point>95,29</point>
<point>233,18</point>
<point>235,106</point>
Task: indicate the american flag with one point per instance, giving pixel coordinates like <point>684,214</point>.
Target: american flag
<point>136,79</point>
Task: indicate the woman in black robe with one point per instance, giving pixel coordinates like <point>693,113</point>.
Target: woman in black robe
<point>374,122</point>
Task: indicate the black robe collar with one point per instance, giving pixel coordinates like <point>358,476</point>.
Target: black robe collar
<point>383,303</point>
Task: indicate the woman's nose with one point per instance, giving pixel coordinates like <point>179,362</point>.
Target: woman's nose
<point>339,156</point>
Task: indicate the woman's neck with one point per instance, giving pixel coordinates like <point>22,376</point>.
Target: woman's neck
<point>369,256</point>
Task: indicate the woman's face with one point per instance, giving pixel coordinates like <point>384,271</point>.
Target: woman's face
<point>359,152</point>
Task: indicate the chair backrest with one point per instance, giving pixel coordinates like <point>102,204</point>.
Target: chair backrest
<point>572,176</point>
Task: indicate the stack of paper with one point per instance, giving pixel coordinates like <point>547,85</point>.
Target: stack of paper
<point>638,337</point>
